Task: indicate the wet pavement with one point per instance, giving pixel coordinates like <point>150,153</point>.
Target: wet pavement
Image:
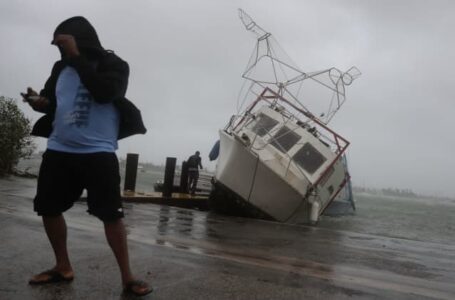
<point>187,254</point>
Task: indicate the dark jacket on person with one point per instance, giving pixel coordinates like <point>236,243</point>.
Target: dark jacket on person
<point>103,73</point>
<point>194,162</point>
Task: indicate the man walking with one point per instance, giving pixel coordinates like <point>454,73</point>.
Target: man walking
<point>193,163</point>
<point>86,112</point>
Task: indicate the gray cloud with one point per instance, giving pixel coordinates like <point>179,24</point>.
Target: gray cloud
<point>186,58</point>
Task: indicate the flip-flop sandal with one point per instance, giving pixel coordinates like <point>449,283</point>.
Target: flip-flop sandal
<point>129,288</point>
<point>53,277</point>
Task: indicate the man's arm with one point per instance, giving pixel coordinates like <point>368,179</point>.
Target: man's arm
<point>48,91</point>
<point>106,81</point>
<point>44,102</point>
<point>104,85</point>
<point>38,103</point>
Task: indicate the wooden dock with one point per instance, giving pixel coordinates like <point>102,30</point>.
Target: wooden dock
<point>183,200</point>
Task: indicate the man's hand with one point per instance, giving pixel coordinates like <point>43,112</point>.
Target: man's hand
<point>37,102</point>
<point>67,43</point>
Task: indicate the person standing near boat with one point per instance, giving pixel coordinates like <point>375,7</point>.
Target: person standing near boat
<point>86,112</point>
<point>194,163</point>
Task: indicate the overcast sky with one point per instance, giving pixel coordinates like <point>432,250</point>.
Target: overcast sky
<point>186,58</point>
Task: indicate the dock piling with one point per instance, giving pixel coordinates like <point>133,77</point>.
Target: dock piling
<point>132,160</point>
<point>184,178</point>
<point>169,172</point>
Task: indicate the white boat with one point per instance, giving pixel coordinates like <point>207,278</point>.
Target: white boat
<point>278,159</point>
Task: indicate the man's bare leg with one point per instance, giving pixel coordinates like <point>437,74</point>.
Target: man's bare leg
<point>57,234</point>
<point>116,237</point>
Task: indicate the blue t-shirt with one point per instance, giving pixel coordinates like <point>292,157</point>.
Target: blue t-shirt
<point>81,125</point>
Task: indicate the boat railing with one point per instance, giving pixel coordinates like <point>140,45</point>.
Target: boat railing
<point>337,143</point>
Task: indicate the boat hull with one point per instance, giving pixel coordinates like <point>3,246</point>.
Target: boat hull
<point>245,184</point>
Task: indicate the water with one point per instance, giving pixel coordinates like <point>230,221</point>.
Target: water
<point>145,180</point>
<point>420,219</point>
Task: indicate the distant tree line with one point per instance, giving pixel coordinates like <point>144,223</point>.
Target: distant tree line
<point>387,191</point>
<point>395,192</point>
<point>142,165</point>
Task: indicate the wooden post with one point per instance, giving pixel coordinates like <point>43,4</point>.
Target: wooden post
<point>184,178</point>
<point>132,160</point>
<point>169,172</point>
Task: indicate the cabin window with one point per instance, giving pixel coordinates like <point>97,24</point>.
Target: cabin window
<point>263,125</point>
<point>284,139</point>
<point>309,158</point>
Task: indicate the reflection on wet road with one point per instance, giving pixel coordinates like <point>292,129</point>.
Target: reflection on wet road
<point>342,257</point>
<point>204,252</point>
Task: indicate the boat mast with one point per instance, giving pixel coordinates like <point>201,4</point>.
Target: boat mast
<point>270,67</point>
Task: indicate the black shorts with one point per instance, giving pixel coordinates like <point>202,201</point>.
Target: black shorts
<point>63,177</point>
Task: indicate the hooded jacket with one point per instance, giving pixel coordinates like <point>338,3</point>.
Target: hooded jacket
<point>103,73</point>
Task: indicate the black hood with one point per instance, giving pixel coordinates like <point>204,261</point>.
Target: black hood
<point>84,34</point>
